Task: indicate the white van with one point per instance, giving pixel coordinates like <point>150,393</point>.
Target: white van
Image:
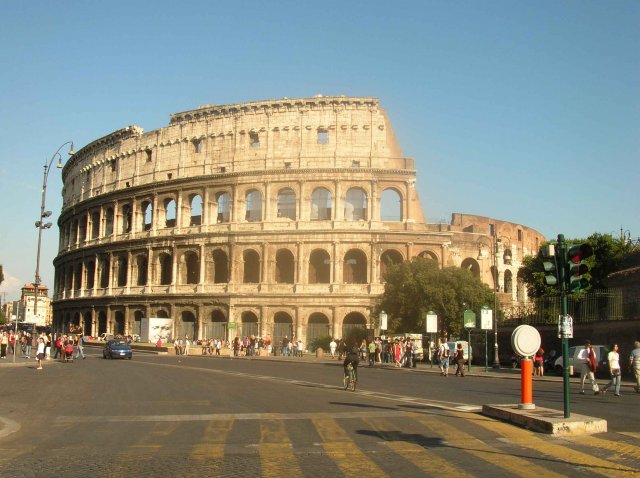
<point>601,352</point>
<point>465,347</point>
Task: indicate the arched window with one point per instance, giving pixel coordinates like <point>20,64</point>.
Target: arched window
<point>141,272</point>
<point>188,325</point>
<point>217,326</point>
<point>137,322</point>
<point>355,205</point>
<point>321,205</point>
<point>162,314</point>
<point>126,218</point>
<point>118,328</point>
<point>319,267</point>
<point>90,275</point>
<point>472,266</point>
<point>282,327</point>
<point>104,272</point>
<point>190,273</point>
<point>77,281</point>
<point>391,205</point>
<point>83,228</point>
<point>220,267</point>
<point>196,210</point>
<point>428,256</point>
<point>224,207</point>
<point>249,323</point>
<point>387,259</point>
<point>147,215</point>
<point>108,222</point>
<point>170,213</point>
<point>251,271</point>
<point>354,320</point>
<point>285,267</point>
<point>165,262</point>
<point>95,224</point>
<point>102,322</point>
<point>122,265</point>
<point>355,267</point>
<point>318,326</point>
<point>508,281</point>
<point>254,206</point>
<point>287,203</point>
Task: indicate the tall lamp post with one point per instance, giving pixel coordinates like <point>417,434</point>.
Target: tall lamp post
<point>40,224</point>
<point>496,283</point>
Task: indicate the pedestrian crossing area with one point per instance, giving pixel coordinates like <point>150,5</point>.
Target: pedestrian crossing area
<point>373,442</point>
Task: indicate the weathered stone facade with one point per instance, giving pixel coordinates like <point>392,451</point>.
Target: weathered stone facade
<point>272,217</point>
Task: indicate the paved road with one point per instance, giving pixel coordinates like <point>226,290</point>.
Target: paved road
<point>194,416</point>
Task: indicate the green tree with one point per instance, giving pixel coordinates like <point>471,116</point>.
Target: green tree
<point>415,287</point>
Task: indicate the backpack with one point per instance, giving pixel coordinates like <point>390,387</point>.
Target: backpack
<point>446,351</point>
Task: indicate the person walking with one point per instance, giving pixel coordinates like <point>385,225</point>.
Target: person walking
<point>372,353</point>
<point>4,342</point>
<point>443,355</point>
<point>614,370</point>
<point>80,347</point>
<point>187,343</point>
<point>634,363</point>
<point>538,363</point>
<point>40,352</point>
<point>588,364</point>
<point>458,357</point>
<point>332,347</point>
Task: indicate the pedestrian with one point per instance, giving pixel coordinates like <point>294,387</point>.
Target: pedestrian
<point>634,363</point>
<point>614,371</point>
<point>187,343</point>
<point>47,346</point>
<point>538,363</point>
<point>4,343</point>
<point>443,355</point>
<point>40,354</point>
<point>588,365</point>
<point>80,347</point>
<point>372,353</point>
<point>458,357</point>
<point>218,344</point>
<point>332,347</point>
<point>28,343</point>
<point>159,343</point>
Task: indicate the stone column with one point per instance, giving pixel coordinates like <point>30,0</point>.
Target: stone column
<point>338,208</point>
<point>299,279</point>
<point>174,268</point>
<point>129,268</point>
<point>265,279</point>
<point>203,269</point>
<point>335,270</point>
<point>374,214</point>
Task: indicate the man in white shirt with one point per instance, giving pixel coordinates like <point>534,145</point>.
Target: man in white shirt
<point>588,363</point>
<point>443,355</point>
<point>333,346</point>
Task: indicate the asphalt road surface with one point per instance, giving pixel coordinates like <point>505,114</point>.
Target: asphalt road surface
<point>208,417</point>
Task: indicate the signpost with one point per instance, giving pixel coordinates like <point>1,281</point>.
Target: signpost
<point>469,323</point>
<point>486,324</point>
<point>432,328</point>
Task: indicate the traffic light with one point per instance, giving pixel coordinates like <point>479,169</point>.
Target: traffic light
<point>549,264</point>
<point>576,267</point>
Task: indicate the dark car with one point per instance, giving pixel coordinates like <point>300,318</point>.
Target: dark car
<point>117,348</point>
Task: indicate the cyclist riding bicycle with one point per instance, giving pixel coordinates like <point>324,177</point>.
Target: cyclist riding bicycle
<point>353,358</point>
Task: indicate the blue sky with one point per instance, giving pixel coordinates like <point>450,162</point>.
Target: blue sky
<point>523,111</point>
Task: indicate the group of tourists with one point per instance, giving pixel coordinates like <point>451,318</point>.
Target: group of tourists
<point>401,351</point>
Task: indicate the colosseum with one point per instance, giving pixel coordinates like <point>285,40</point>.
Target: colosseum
<point>270,217</point>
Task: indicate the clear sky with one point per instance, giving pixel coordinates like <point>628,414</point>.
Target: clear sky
<point>523,111</point>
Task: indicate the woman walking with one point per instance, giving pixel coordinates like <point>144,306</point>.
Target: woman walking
<point>40,353</point>
<point>459,359</point>
<point>614,370</point>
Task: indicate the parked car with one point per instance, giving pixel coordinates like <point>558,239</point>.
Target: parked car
<point>117,348</point>
<point>601,352</point>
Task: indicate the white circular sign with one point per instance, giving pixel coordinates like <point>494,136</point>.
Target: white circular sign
<point>525,340</point>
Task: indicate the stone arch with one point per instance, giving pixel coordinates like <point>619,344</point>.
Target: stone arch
<point>147,215</point>
<point>253,212</point>
<point>104,272</point>
<point>141,265</point>
<point>217,325</point>
<point>188,326</point>
<point>118,323</point>
<point>190,268</point>
<point>162,314</point>
<point>286,204</point>
<point>90,275</point>
<point>223,201</point>
<point>108,221</point>
<point>249,323</point>
<point>220,267</point>
<point>122,264</point>
<point>169,212</point>
<point>471,265</point>
<point>353,320</point>
<point>508,281</point>
<point>102,322</point>
<point>317,326</point>
<point>428,255</point>
<point>251,269</point>
<point>355,267</point>
<point>165,265</point>
<point>137,322</point>
<point>391,205</point>
<point>87,328</point>
<point>282,327</point>
<point>319,267</point>
<point>195,208</point>
<point>320,204</point>
<point>285,267</point>
<point>389,258</point>
<point>355,205</point>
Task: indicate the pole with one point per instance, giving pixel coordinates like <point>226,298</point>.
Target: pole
<point>496,355</point>
<point>560,255</point>
<point>486,358</point>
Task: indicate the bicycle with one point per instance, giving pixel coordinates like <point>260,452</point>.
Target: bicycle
<point>350,379</point>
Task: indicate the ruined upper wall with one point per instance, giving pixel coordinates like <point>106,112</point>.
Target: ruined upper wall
<point>305,133</point>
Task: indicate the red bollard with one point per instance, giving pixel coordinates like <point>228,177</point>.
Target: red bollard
<point>526,385</point>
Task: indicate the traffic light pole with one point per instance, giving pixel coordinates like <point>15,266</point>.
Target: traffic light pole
<point>560,259</point>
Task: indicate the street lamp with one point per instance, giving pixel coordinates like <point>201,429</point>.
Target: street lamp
<point>507,260</point>
<point>44,214</point>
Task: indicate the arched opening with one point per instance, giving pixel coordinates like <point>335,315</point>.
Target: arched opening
<point>220,267</point>
<point>82,226</point>
<point>190,268</point>
<point>170,213</point>
<point>282,327</point>
<point>118,326</point>
<point>254,206</point>
<point>391,205</point>
<point>471,265</point>
<point>196,210</point>
<point>355,205</point>
<point>319,267</point>
<point>508,281</point>
<point>355,267</point>
<point>86,324</point>
<point>162,314</point>
<point>224,207</point>
<point>251,271</point>
<point>354,320</point>
<point>95,224</point>
<point>217,326</point>
<point>321,205</point>
<point>90,275</point>
<point>126,219</point>
<point>77,281</point>
<point>428,256</point>
<point>108,222</point>
<point>285,267</point>
<point>165,263</point>
<point>287,203</point>
<point>102,322</point>
<point>387,259</point>
<point>104,272</point>
<point>147,215</point>
<point>141,269</point>
<point>122,266</point>
<point>506,257</point>
<point>137,322</point>
<point>318,326</point>
<point>249,324</point>
<point>188,325</point>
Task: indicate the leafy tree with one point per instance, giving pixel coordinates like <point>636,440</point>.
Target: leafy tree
<point>320,342</point>
<point>609,255</point>
<point>415,287</point>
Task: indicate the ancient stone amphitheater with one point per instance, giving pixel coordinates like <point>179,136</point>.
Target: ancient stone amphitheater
<point>268,218</point>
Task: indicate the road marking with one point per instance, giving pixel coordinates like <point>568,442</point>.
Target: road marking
<point>619,448</point>
<point>276,455</point>
<point>343,451</point>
